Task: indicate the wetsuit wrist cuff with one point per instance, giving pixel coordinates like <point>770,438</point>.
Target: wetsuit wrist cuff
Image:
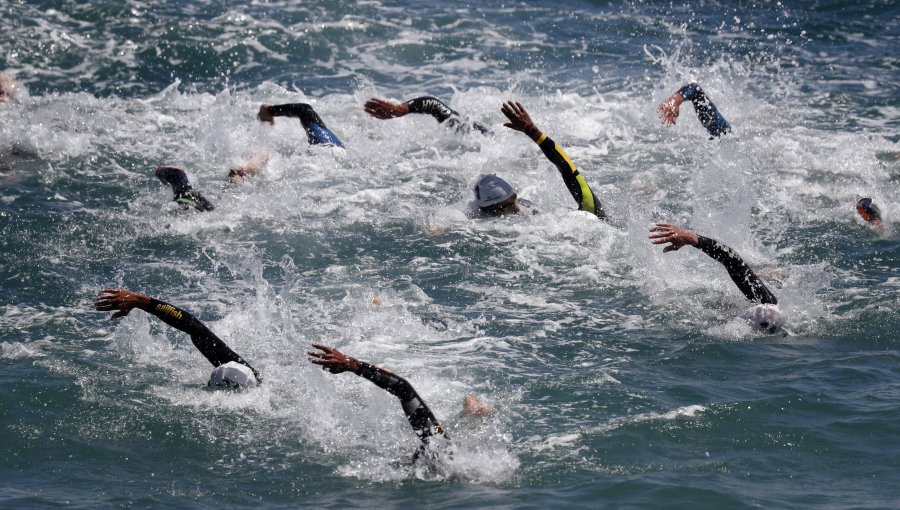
<point>703,242</point>
<point>541,139</point>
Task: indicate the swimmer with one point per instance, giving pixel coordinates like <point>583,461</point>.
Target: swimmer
<point>185,195</point>
<point>231,370</point>
<point>707,112</point>
<point>519,120</point>
<point>384,109</point>
<point>423,421</point>
<point>317,133</point>
<point>870,212</point>
<point>8,88</point>
<point>765,316</point>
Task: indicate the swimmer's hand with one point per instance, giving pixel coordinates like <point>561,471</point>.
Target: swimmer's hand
<point>332,359</point>
<point>677,236</point>
<point>519,120</point>
<point>265,115</point>
<point>383,109</point>
<point>668,109</point>
<point>121,300</point>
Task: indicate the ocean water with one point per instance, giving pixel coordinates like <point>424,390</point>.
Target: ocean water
<point>619,375</point>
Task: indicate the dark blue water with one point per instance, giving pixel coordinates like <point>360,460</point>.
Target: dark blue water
<point>620,377</point>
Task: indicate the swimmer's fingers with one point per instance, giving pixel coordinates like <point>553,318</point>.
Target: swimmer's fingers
<point>519,119</point>
<point>325,349</point>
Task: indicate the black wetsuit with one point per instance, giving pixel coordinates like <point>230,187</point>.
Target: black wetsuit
<point>184,193</point>
<point>420,417</point>
<point>741,274</point>
<point>443,113</point>
<point>707,112</point>
<point>575,183</point>
<point>209,345</point>
<point>317,133</point>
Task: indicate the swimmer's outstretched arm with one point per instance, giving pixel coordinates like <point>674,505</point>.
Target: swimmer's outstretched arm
<point>317,133</point>
<point>419,415</point>
<point>749,284</point>
<point>384,109</point>
<point>519,120</point>
<point>211,346</point>
<point>707,112</point>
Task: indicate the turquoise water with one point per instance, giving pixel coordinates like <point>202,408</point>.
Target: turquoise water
<point>620,376</point>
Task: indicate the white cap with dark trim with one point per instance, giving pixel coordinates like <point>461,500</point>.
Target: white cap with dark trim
<point>764,318</point>
<point>232,375</point>
<point>491,190</point>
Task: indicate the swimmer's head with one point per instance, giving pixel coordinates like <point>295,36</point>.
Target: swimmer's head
<point>495,196</point>
<point>8,88</point>
<point>868,210</point>
<point>232,375</point>
<point>764,319</point>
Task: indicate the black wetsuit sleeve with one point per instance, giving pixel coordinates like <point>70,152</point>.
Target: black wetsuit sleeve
<point>317,133</point>
<point>575,183</point>
<point>707,113</point>
<point>181,187</point>
<point>441,112</point>
<point>210,345</point>
<point>741,274</point>
<point>419,415</point>
<point>191,198</point>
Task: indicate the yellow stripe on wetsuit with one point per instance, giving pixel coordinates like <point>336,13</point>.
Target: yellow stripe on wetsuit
<point>576,184</point>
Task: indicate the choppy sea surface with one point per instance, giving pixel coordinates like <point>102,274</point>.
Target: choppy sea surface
<point>619,375</point>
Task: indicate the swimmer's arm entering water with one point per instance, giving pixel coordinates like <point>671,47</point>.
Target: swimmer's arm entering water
<point>519,120</point>
<point>317,133</point>
<point>423,421</point>
<point>707,113</point>
<point>384,109</point>
<point>210,346</point>
<point>181,187</point>
<point>749,284</point>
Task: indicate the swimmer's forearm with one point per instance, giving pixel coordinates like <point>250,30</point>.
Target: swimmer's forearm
<point>707,112</point>
<point>171,315</point>
<point>430,106</point>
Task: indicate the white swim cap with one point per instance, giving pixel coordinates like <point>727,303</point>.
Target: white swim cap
<point>232,375</point>
<point>490,190</point>
<point>764,318</point>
